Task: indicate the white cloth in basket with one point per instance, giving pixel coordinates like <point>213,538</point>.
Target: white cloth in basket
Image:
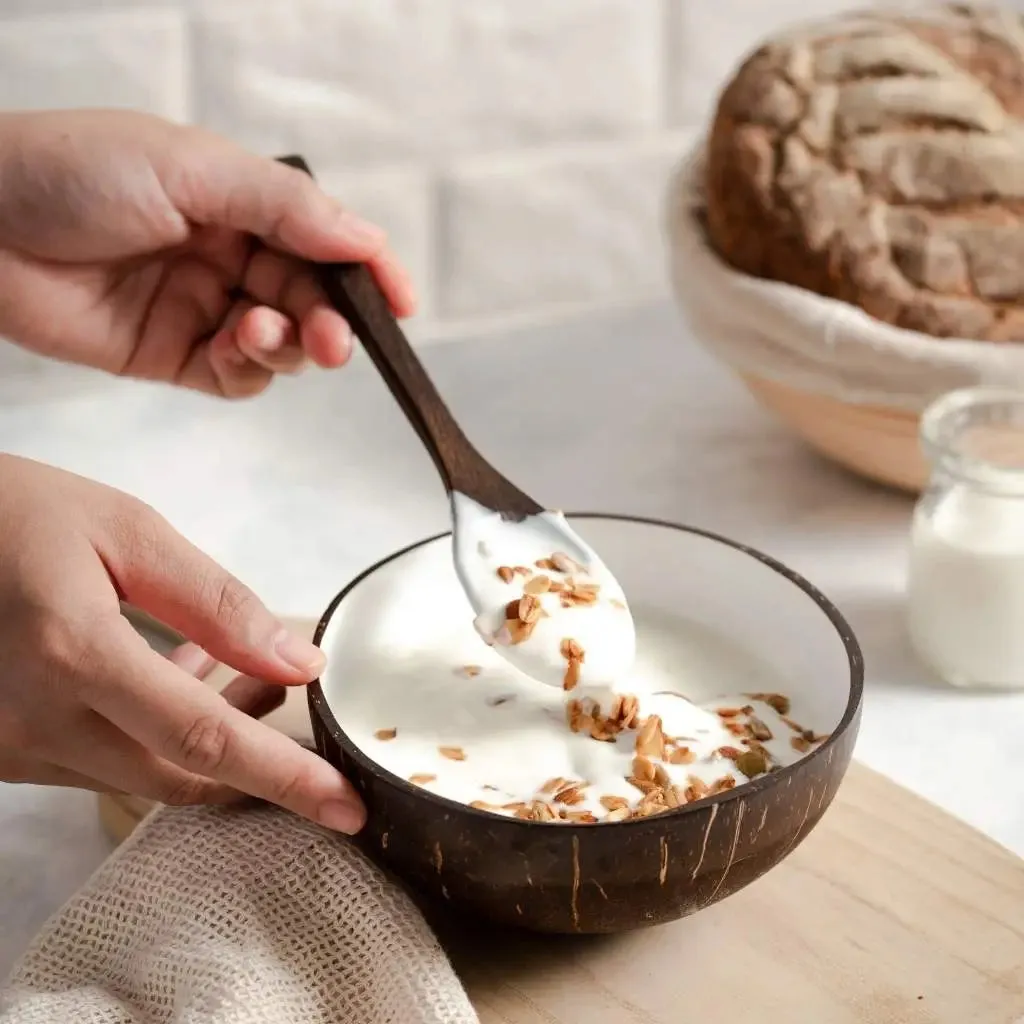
<point>236,917</point>
<point>809,342</point>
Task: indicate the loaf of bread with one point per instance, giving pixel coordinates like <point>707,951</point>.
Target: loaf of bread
<point>878,158</point>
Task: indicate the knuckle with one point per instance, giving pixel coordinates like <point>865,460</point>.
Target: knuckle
<point>64,646</point>
<point>135,527</point>
<point>235,604</point>
<point>184,792</point>
<point>291,789</point>
<point>205,746</point>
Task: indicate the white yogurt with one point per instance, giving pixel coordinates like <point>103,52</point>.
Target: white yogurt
<point>966,587</point>
<point>410,679</point>
<point>496,560</point>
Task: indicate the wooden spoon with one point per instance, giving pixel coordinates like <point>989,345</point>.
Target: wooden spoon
<point>492,519</point>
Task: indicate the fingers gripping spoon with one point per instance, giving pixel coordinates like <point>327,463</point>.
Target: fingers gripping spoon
<point>542,597</point>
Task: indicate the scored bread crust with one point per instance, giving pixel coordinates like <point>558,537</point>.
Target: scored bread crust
<point>878,158</point>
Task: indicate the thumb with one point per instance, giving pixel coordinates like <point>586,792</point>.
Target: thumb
<point>159,571</point>
<point>227,186</point>
<point>213,182</point>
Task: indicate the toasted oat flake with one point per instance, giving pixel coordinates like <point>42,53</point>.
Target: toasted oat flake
<point>519,631</point>
<point>626,711</point>
<point>522,570</point>
<point>452,753</point>
<point>422,780</point>
<point>571,650</point>
<point>571,795</point>
<point>385,734</point>
<point>643,768</point>
<point>758,730</point>
<point>470,670</point>
<point>542,811</point>
<point>505,573</point>
<point>696,789</point>
<point>579,817</point>
<point>650,740</point>
<point>800,744</point>
<point>602,732</point>
<point>553,785</point>
<point>546,564</point>
<point>574,715</point>
<point>616,603</point>
<point>617,814</point>
<point>571,678</point>
<point>614,803</point>
<point>539,584</point>
<point>563,563</point>
<point>778,702</point>
<point>721,785</point>
<point>529,609</point>
<point>682,755</point>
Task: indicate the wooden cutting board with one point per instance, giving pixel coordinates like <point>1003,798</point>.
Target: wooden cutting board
<point>891,912</point>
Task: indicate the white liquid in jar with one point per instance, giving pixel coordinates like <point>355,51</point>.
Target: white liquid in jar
<point>966,588</point>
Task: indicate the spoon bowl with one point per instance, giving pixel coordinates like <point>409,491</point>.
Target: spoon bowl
<point>535,584</point>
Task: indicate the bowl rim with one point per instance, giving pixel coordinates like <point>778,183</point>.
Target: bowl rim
<point>319,706</point>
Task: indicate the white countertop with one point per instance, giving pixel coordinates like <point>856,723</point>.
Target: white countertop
<point>298,490</point>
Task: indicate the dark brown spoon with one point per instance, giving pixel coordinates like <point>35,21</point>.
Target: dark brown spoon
<point>476,489</point>
<point>352,290</point>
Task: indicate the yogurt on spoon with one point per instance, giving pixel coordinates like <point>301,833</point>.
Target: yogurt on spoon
<point>543,598</point>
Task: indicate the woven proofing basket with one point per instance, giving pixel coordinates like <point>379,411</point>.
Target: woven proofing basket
<point>851,386</point>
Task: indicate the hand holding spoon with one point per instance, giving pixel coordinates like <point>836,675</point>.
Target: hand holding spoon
<point>542,596</point>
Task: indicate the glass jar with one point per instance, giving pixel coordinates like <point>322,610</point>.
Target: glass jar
<point>965,600</point>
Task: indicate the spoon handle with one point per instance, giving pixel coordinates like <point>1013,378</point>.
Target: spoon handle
<point>353,291</point>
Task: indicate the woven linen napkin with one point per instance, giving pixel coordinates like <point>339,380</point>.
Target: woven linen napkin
<point>244,916</point>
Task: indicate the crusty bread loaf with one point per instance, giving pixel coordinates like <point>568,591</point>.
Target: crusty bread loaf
<point>879,159</point>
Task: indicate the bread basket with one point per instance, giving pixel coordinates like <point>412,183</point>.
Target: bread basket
<point>851,386</point>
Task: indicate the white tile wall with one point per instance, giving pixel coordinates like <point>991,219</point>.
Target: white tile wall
<point>517,150</point>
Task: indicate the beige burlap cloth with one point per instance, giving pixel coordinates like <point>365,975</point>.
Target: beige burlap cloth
<point>236,917</point>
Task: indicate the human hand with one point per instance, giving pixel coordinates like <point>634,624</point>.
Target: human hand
<point>149,249</point>
<point>84,700</point>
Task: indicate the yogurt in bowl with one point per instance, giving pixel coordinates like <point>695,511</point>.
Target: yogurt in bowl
<point>566,810</point>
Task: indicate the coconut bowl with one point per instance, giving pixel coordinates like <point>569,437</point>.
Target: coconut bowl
<point>611,877</point>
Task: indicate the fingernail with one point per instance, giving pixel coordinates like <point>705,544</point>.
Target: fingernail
<point>342,817</point>
<point>359,230</point>
<point>300,654</point>
<point>268,337</point>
